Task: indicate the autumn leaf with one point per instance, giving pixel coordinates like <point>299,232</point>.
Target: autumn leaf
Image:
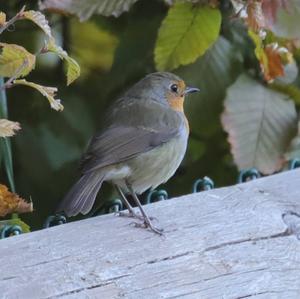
<point>8,128</point>
<point>46,91</point>
<point>12,203</point>
<point>73,69</point>
<point>275,66</point>
<point>271,57</point>
<point>15,60</point>
<point>260,123</point>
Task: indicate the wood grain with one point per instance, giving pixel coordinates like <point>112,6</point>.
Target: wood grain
<point>235,242</point>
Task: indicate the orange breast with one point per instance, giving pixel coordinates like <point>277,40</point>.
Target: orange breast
<point>176,103</point>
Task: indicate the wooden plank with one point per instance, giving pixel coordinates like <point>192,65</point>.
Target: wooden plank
<point>235,242</point>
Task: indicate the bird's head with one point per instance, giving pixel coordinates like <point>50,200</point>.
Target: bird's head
<point>163,87</point>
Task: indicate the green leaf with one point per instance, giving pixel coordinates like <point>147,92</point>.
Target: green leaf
<point>48,92</point>
<point>260,123</point>
<point>15,60</point>
<point>185,34</point>
<point>85,9</point>
<point>39,19</point>
<point>73,69</point>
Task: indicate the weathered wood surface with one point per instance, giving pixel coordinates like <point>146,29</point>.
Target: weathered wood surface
<point>236,242</point>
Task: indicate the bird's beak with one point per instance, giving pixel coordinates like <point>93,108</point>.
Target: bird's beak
<point>191,90</point>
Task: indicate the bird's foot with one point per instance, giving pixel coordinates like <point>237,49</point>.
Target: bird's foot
<point>150,226</point>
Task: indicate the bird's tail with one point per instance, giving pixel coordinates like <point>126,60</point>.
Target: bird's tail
<point>81,197</point>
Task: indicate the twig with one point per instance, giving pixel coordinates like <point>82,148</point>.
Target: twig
<point>17,17</point>
<point>9,82</point>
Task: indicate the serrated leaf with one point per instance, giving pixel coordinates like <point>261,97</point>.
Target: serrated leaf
<point>8,128</point>
<point>270,57</point>
<point>48,92</point>
<point>85,9</point>
<point>185,34</point>
<point>73,69</point>
<point>12,203</point>
<point>15,60</point>
<point>260,123</point>
<point>39,19</point>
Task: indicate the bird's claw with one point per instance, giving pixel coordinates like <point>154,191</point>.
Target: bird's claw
<point>151,227</point>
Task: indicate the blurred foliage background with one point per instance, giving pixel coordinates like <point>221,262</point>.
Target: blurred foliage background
<point>113,53</point>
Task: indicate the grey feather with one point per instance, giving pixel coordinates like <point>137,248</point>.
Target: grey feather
<point>133,126</point>
<point>82,195</point>
<point>120,144</point>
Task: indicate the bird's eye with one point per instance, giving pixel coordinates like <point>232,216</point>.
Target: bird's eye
<point>174,87</point>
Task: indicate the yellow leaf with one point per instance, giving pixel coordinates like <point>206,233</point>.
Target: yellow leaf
<point>2,18</point>
<point>12,203</point>
<point>73,68</point>
<point>39,19</point>
<point>48,92</point>
<point>15,60</point>
<point>8,128</point>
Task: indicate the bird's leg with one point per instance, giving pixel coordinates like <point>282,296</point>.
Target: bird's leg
<point>147,221</point>
<point>131,212</point>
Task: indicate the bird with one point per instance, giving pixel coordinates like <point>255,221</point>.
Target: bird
<point>141,145</point>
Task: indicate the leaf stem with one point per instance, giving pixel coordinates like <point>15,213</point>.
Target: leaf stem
<point>5,145</point>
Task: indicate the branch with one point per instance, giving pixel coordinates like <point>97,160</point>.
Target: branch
<point>17,17</point>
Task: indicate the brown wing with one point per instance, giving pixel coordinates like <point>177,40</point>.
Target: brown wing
<point>118,144</point>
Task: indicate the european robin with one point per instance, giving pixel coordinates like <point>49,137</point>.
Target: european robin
<point>143,143</point>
